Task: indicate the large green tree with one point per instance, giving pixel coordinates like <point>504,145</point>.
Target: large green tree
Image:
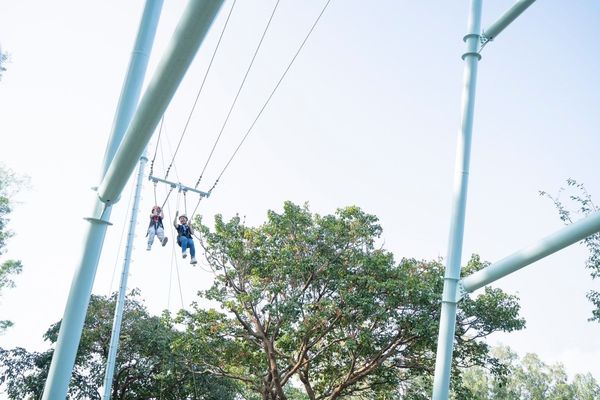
<point>315,302</point>
<point>146,365</point>
<point>10,183</point>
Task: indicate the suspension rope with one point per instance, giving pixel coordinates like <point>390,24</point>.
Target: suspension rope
<point>194,212</point>
<point>166,198</point>
<point>162,157</point>
<point>185,202</point>
<point>155,200</point>
<point>271,95</point>
<point>238,92</point>
<point>173,257</point>
<point>174,261</point>
<point>156,150</point>
<point>200,90</point>
<point>179,283</point>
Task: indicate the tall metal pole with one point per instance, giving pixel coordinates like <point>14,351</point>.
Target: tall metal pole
<point>471,58</point>
<point>118,317</point>
<point>61,367</point>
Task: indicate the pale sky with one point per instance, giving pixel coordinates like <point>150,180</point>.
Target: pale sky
<point>368,115</point>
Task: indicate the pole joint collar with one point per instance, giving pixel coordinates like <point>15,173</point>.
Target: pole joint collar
<point>470,36</point>
<point>98,221</point>
<point>449,293</point>
<point>470,54</point>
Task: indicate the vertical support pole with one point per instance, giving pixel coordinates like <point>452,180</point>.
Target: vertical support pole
<point>118,317</point>
<point>61,367</point>
<point>441,383</point>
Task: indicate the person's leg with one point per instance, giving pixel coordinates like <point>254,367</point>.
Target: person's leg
<point>160,232</point>
<point>151,233</point>
<point>184,246</point>
<point>192,251</point>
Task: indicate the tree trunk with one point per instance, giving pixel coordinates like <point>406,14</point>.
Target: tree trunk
<point>303,375</point>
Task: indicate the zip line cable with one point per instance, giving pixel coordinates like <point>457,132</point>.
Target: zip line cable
<point>271,95</point>
<point>238,92</point>
<point>201,87</point>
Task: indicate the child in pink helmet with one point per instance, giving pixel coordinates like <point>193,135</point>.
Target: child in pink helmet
<point>156,227</point>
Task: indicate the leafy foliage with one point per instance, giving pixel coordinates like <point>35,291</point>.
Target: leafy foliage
<point>581,205</point>
<point>310,300</point>
<point>4,59</point>
<point>9,185</point>
<point>528,378</point>
<point>146,366</point>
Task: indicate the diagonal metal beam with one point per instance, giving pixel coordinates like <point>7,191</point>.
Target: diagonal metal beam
<point>190,33</point>
<point>506,19</point>
<point>551,244</point>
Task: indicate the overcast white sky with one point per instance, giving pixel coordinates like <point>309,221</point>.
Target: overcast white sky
<point>368,115</point>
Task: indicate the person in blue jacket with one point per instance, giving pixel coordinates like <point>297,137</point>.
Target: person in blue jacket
<point>184,236</point>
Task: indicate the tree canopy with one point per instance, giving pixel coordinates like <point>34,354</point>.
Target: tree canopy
<point>315,302</point>
<point>146,367</point>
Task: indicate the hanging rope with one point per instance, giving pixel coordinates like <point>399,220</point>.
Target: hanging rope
<point>185,202</point>
<point>155,200</point>
<point>200,90</point>
<point>156,150</point>
<point>152,164</point>
<point>166,198</point>
<point>194,212</point>
<point>238,92</point>
<point>271,95</point>
<point>174,261</point>
<point>158,142</point>
<point>173,256</point>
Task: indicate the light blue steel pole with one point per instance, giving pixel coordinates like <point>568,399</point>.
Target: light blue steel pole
<point>559,240</point>
<point>118,317</point>
<point>61,367</point>
<point>443,362</point>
